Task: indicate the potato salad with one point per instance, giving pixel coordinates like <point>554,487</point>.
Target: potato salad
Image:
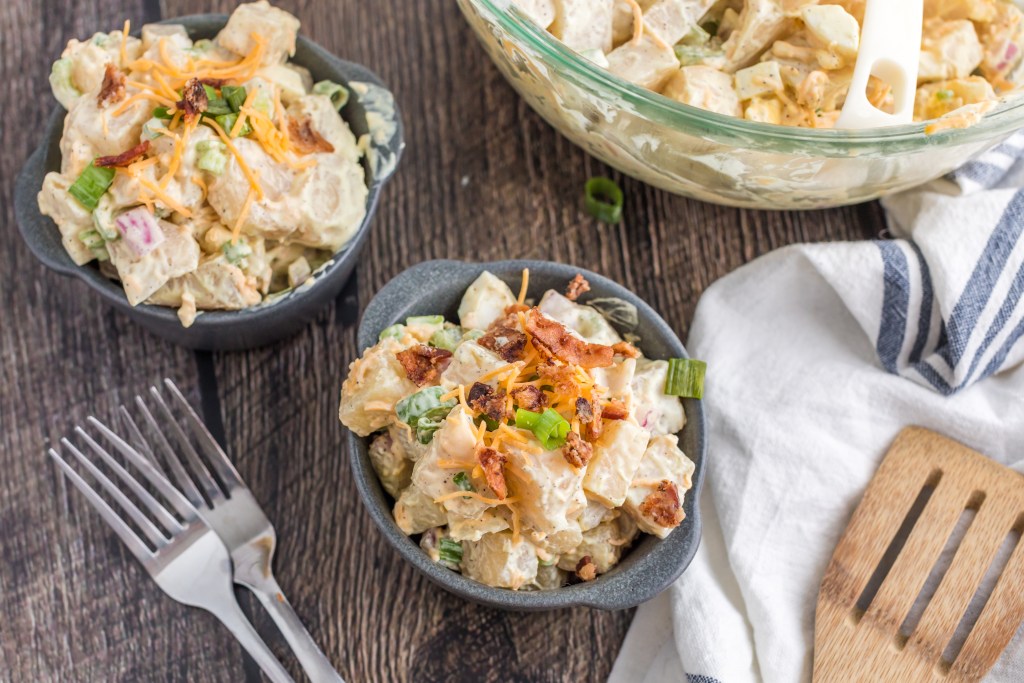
<point>787,62</point>
<point>527,446</point>
<point>206,174</point>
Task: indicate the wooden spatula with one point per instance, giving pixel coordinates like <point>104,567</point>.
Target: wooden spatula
<point>869,624</point>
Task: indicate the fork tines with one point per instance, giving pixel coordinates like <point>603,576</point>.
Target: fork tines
<point>116,481</point>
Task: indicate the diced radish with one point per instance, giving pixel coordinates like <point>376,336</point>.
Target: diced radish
<point>140,230</point>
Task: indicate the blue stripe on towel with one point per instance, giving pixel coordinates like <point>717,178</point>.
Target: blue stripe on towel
<point>895,304</point>
<point>924,317</point>
<point>1004,351</point>
<point>982,282</point>
<point>998,323</point>
<point>981,172</point>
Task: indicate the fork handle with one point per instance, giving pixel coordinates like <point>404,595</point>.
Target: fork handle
<point>313,661</point>
<point>232,616</point>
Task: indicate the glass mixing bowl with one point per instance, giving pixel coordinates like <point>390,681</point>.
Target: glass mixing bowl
<point>710,156</point>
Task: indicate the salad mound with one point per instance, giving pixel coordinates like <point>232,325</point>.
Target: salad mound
<point>789,62</point>
<point>208,174</point>
<point>527,446</point>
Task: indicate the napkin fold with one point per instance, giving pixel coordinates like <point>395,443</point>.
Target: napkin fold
<point>818,356</point>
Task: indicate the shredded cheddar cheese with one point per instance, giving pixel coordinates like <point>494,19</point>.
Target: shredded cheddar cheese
<point>124,41</point>
<point>238,157</point>
<point>242,215</point>
<point>523,287</point>
<point>162,196</point>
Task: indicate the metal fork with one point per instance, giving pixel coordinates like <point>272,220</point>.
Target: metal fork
<point>230,509</point>
<point>186,558</point>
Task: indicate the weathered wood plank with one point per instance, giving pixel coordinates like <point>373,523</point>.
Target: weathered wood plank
<point>483,178</point>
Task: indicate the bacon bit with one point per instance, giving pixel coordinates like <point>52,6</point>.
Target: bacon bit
<point>663,507</point>
<point>424,364</point>
<point>124,158</point>
<point>487,400</point>
<point>515,308</point>
<point>505,340</point>
<point>554,339</point>
<point>305,138</point>
<point>614,410</point>
<point>529,397</point>
<point>584,411</point>
<point>586,570</point>
<point>578,286</point>
<point>561,376</point>
<point>493,464</point>
<point>194,101</point>
<point>214,82</point>
<point>576,451</point>
<point>112,90</point>
<point>626,349</point>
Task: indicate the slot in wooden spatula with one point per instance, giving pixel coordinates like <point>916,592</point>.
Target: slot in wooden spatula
<point>877,618</point>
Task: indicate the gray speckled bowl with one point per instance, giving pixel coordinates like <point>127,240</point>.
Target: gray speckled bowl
<point>652,564</point>
<point>215,330</point>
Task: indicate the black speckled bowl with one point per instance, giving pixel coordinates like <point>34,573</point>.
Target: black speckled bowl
<point>652,564</point>
<point>216,330</point>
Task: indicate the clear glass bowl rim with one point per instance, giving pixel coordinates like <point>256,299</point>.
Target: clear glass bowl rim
<point>1006,117</point>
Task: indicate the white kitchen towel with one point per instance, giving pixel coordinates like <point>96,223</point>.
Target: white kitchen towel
<point>818,356</point>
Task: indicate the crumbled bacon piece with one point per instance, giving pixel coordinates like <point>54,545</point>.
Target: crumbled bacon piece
<point>578,286</point>
<point>662,506</point>
<point>112,90</point>
<point>493,464</point>
<point>214,82</point>
<point>505,340</point>
<point>513,309</point>
<point>194,100</point>
<point>561,376</point>
<point>424,364</point>
<point>584,411</point>
<point>554,339</point>
<point>305,138</point>
<point>487,400</point>
<point>124,158</point>
<point>576,451</point>
<point>614,410</point>
<point>586,570</point>
<point>626,349</point>
<point>529,397</point>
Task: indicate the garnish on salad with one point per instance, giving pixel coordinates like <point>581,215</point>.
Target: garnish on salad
<point>204,174</point>
<point>788,62</point>
<point>528,445</point>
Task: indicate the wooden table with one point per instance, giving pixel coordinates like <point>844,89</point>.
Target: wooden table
<point>483,178</point>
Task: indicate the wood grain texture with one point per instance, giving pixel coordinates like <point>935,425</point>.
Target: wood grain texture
<point>483,178</point>
<point>929,481</point>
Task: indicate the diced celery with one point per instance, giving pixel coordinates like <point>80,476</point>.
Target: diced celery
<point>337,93</point>
<point>212,156</point>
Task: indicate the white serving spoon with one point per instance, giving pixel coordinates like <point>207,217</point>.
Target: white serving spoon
<point>890,49</point>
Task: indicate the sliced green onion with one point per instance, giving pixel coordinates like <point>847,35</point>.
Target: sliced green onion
<point>211,92</point>
<point>62,83</point>
<point>393,332</point>
<point>446,338</point>
<point>163,113</point>
<point>92,184</point>
<point>213,156</point>
<point>491,424</point>
<point>227,123</point>
<point>449,551</point>
<point>549,427</point>
<point>217,106</point>
<point>234,95</point>
<point>944,94</point>
<point>236,252</point>
<point>201,47</point>
<point>425,320</point>
<point>461,479</point>
<point>604,199</point>
<point>336,92</point>
<point>685,378</point>
<point>425,412</point>
<point>91,239</point>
